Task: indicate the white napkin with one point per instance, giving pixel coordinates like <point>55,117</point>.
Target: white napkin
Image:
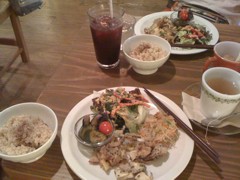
<point>191,107</point>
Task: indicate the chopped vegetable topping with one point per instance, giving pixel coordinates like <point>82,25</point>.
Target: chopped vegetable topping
<point>188,34</point>
<point>127,108</point>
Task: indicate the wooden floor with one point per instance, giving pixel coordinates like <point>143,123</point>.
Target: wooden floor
<point>50,32</point>
<point>49,35</point>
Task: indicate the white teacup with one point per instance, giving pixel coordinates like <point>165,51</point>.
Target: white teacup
<point>220,93</point>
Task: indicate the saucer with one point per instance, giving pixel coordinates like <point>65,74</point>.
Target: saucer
<point>195,90</point>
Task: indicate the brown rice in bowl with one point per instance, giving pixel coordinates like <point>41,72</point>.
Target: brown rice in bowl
<point>23,134</point>
<point>27,131</point>
<point>146,51</point>
<point>145,58</point>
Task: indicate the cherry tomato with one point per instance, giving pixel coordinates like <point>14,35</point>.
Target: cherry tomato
<point>184,15</point>
<point>105,127</point>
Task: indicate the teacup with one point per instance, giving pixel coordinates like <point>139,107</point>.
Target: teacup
<point>220,92</point>
<point>225,55</point>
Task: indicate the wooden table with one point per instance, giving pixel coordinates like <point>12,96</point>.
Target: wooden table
<point>78,75</point>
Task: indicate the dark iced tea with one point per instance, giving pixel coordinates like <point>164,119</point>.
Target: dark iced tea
<point>106,35</point>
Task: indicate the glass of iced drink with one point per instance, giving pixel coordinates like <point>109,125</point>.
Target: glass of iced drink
<point>106,28</point>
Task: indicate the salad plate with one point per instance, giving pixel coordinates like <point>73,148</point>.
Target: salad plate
<point>77,157</point>
<point>147,21</point>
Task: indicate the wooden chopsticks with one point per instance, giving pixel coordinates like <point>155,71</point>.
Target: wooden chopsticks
<point>201,144</point>
<point>197,46</point>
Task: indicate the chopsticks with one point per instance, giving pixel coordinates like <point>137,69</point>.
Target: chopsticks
<point>197,46</point>
<point>202,145</point>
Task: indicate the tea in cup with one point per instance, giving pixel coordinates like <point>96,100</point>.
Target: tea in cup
<point>226,54</point>
<point>220,92</point>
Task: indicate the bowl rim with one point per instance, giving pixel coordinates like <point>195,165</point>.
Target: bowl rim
<point>50,140</point>
<point>150,36</point>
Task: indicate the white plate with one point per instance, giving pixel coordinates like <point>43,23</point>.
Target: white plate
<point>147,21</point>
<point>167,167</point>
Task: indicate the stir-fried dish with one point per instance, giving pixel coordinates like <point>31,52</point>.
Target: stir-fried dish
<point>189,34</point>
<point>140,137</point>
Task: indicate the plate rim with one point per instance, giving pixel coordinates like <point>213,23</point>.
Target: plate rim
<point>66,149</point>
<point>208,24</point>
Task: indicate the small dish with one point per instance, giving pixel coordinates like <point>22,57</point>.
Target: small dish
<point>195,90</point>
<point>182,17</point>
<point>94,130</point>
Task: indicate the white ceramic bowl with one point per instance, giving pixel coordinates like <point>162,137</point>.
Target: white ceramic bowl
<point>37,110</point>
<point>146,67</point>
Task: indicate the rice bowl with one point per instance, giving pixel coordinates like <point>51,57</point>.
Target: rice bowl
<point>150,66</point>
<point>34,110</point>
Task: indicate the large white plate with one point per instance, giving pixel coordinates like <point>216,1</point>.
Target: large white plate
<point>167,167</point>
<point>147,21</point>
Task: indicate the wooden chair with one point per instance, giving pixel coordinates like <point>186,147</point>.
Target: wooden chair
<point>5,12</point>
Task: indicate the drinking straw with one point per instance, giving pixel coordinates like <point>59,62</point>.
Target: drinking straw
<point>111,8</point>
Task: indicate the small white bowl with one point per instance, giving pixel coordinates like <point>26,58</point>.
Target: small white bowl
<point>146,67</point>
<point>37,110</point>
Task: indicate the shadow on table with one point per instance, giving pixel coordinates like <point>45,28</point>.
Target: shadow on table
<point>164,74</point>
<point>188,170</point>
<point>190,167</point>
<point>45,168</point>
<point>198,154</point>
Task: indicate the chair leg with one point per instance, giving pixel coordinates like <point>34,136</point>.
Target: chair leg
<point>19,37</point>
